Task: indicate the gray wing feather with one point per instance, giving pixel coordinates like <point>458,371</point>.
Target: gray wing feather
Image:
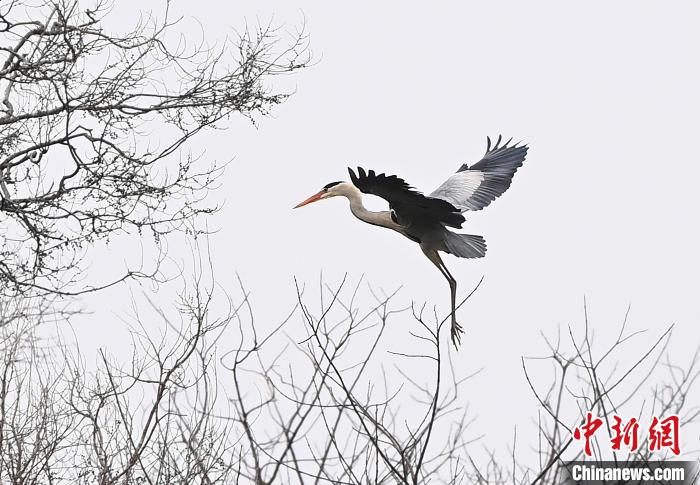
<point>476,187</point>
<point>464,245</point>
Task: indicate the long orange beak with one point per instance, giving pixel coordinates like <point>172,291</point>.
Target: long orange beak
<point>311,199</point>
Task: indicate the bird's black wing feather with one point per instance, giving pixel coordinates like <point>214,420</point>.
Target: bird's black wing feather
<point>410,206</point>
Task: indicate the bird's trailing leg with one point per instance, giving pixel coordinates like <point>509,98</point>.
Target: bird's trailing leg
<point>456,329</point>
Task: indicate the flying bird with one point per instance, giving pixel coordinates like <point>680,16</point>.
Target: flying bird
<point>425,219</point>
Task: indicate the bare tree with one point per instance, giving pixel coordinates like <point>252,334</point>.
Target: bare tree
<point>322,397</point>
<point>586,376</point>
<point>332,422</point>
<point>149,420</point>
<point>347,421</point>
<point>79,105</point>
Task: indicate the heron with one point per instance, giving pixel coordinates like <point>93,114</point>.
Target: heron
<point>426,219</point>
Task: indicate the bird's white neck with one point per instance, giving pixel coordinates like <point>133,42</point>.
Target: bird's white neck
<point>382,218</point>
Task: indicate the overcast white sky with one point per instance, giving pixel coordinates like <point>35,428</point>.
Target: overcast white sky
<point>606,95</point>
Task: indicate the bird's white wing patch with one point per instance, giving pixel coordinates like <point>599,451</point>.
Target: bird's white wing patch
<point>459,188</point>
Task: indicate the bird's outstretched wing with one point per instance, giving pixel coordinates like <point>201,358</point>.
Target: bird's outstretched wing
<point>409,205</point>
<point>475,187</point>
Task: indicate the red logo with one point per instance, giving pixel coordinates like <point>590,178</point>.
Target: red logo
<point>627,434</point>
<point>589,428</point>
<point>663,434</point>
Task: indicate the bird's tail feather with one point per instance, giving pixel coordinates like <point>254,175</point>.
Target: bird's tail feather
<point>465,245</point>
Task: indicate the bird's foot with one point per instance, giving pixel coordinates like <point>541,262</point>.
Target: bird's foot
<point>456,333</point>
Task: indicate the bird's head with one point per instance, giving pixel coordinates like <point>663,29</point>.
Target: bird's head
<point>332,189</point>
